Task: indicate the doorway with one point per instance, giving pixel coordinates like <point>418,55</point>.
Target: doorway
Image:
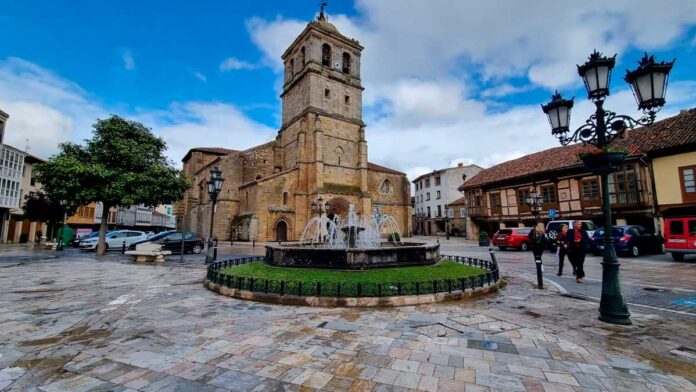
<point>282,231</point>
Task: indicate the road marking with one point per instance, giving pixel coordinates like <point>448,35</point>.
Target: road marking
<point>652,307</point>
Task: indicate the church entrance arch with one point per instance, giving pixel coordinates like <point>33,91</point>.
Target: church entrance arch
<point>281,231</point>
<point>338,206</point>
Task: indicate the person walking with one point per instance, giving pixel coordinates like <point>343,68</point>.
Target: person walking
<point>577,241</point>
<point>537,239</point>
<point>562,250</point>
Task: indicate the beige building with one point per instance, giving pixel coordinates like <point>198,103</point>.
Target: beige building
<point>320,152</point>
<point>19,229</point>
<point>651,183</point>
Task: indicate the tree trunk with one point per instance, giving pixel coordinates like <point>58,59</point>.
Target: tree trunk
<point>101,246</point>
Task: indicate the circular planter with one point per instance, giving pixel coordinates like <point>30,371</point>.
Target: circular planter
<point>484,242</point>
<point>604,163</point>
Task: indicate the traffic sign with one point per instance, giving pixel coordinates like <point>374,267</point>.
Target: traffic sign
<point>553,213</point>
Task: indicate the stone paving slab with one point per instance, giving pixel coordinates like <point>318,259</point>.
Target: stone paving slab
<point>74,323</point>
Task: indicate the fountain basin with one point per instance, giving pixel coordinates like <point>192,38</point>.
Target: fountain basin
<point>319,256</point>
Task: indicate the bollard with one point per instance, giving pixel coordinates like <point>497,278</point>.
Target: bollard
<point>215,250</point>
<point>253,243</point>
<point>123,248</point>
<point>539,270</point>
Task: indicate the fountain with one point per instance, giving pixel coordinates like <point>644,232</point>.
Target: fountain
<point>352,243</point>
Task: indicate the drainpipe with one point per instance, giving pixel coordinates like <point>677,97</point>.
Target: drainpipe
<point>653,188</point>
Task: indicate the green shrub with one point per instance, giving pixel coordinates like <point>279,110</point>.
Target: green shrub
<point>394,237</point>
<point>483,235</point>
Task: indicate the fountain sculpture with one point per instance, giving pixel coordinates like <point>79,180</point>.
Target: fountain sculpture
<point>352,243</point>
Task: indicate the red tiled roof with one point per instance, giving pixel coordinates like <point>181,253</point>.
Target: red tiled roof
<point>678,132</point>
<point>461,200</point>
<point>376,167</point>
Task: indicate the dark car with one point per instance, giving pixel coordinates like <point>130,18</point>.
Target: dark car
<point>171,240</point>
<point>631,239</point>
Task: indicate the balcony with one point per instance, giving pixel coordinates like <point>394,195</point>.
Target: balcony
<point>634,198</point>
<point>478,211</point>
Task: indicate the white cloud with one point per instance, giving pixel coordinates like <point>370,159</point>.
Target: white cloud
<point>200,76</point>
<point>128,60</point>
<point>48,110</point>
<point>422,61</point>
<point>232,64</point>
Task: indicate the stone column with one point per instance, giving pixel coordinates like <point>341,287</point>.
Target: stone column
<point>318,153</point>
<point>32,232</point>
<point>18,231</point>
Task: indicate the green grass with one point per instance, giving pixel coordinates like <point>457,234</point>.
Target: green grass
<point>446,270</point>
<point>260,277</point>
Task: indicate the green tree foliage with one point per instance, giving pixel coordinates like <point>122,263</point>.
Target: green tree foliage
<point>42,207</point>
<point>121,165</point>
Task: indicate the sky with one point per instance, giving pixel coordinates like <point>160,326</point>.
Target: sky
<point>446,81</point>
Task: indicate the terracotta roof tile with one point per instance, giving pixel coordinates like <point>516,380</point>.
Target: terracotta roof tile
<point>665,135</point>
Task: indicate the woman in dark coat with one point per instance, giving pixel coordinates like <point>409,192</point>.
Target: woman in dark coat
<point>578,241</point>
<point>562,249</point>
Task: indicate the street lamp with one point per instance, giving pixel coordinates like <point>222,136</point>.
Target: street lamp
<point>649,84</point>
<point>320,207</point>
<point>447,218</point>
<point>214,188</point>
<point>535,200</point>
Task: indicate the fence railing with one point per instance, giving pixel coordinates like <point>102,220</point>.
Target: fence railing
<point>351,289</point>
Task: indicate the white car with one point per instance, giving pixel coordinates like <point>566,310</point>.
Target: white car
<point>114,239</point>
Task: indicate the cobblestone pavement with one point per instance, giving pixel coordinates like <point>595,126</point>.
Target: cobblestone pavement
<point>73,323</point>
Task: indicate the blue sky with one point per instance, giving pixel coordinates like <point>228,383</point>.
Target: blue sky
<point>450,81</point>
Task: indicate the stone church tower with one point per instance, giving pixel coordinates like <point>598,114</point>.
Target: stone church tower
<point>320,152</point>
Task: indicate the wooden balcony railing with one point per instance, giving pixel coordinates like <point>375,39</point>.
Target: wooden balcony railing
<point>629,198</point>
<point>478,211</point>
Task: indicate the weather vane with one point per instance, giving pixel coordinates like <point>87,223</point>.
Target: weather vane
<point>323,5</point>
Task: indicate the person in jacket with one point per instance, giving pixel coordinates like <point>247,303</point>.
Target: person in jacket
<point>537,240</point>
<point>562,249</point>
<point>577,241</point>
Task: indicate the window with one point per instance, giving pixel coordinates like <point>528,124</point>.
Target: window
<point>676,227</point>
<point>589,189</point>
<point>437,181</point>
<point>548,192</point>
<point>439,211</point>
<point>624,186</point>
<point>326,55</point>
<point>428,212</point>
<point>427,196</point>
<point>427,183</point>
<point>437,195</point>
<point>462,212</point>
<point>346,62</point>
<point>346,99</point>
<point>495,200</point>
<point>327,93</point>
<point>522,195</point>
<point>292,67</point>
<point>285,198</point>
<point>688,183</point>
<point>302,56</point>
<point>386,187</point>
<point>692,227</point>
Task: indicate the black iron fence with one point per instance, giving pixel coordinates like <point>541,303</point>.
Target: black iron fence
<point>351,289</point>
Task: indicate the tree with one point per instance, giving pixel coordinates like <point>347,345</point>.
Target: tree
<point>121,165</point>
<point>42,207</point>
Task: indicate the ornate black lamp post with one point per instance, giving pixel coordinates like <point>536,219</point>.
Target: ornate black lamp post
<point>447,219</point>
<point>649,84</point>
<point>534,200</point>
<point>320,207</point>
<point>214,188</point>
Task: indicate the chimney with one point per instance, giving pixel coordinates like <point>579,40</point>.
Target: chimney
<point>460,164</point>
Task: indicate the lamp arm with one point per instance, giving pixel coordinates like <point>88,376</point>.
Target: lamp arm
<point>615,124</point>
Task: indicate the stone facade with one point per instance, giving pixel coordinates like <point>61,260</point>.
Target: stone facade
<point>320,151</point>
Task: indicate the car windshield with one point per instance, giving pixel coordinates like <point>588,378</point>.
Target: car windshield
<point>505,231</point>
<point>111,234</point>
<point>160,235</point>
<point>589,226</point>
<point>523,231</point>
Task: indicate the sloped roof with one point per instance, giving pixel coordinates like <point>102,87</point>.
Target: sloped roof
<point>461,200</point>
<point>379,168</point>
<point>208,150</point>
<point>666,136</point>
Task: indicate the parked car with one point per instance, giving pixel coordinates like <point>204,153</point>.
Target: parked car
<point>171,240</point>
<point>554,227</point>
<point>114,239</point>
<point>680,237</point>
<point>514,237</point>
<point>632,240</point>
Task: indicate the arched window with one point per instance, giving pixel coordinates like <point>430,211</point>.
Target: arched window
<point>386,187</point>
<point>326,55</point>
<point>292,67</point>
<point>346,62</point>
<point>339,154</point>
<point>285,198</point>
<point>302,56</point>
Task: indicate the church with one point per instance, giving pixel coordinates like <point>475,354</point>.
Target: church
<point>316,164</point>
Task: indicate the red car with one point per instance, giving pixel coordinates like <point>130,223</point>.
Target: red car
<point>514,237</point>
<point>680,237</point>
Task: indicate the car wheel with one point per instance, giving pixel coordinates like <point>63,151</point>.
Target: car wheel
<point>678,256</point>
<point>635,251</point>
<point>524,247</point>
<point>196,249</point>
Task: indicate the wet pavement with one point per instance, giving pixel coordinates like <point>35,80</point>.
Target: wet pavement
<point>70,322</point>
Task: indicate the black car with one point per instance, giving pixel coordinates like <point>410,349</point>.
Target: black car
<point>171,241</point>
<point>633,240</point>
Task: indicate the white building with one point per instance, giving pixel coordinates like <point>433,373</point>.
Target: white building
<point>433,192</point>
<point>11,169</point>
